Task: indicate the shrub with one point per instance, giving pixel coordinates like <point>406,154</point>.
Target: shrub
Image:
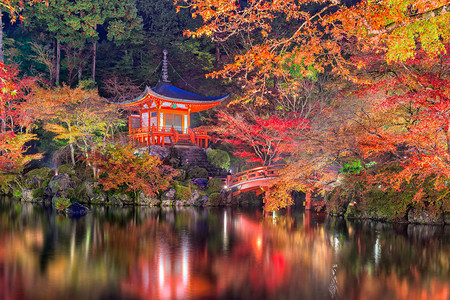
<point>215,199</point>
<point>214,185</point>
<point>6,184</point>
<point>67,168</point>
<point>197,172</point>
<point>45,183</point>
<point>88,84</point>
<point>181,175</point>
<point>37,193</point>
<point>61,204</point>
<point>42,173</point>
<point>182,192</point>
<point>219,158</point>
<point>34,178</point>
<point>17,193</point>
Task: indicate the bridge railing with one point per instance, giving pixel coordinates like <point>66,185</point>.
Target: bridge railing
<point>255,173</point>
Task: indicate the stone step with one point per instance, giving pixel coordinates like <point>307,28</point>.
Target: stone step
<point>184,143</point>
<point>195,155</point>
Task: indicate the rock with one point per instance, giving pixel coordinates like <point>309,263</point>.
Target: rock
<point>203,201</point>
<point>100,198</point>
<point>58,183</point>
<point>94,193</point>
<point>27,195</point>
<point>114,201</point>
<point>126,200</point>
<point>374,215</point>
<point>90,189</point>
<point>37,194</point>
<point>167,202</point>
<point>194,196</point>
<point>121,200</point>
<point>145,199</point>
<point>76,210</point>
<point>352,213</point>
<point>248,199</point>
<point>447,218</point>
<point>227,198</point>
<point>215,199</point>
<point>425,217</point>
<point>161,152</point>
<point>36,177</point>
<point>169,194</point>
<point>34,182</point>
<point>179,203</point>
<point>47,193</point>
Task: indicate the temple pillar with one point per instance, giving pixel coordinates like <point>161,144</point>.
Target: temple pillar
<point>157,119</point>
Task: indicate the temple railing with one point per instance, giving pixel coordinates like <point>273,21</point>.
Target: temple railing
<point>152,135</point>
<point>151,129</point>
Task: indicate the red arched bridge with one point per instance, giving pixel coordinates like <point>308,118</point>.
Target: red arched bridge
<point>259,180</point>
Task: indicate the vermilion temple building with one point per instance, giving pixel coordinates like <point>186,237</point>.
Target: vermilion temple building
<point>162,115</point>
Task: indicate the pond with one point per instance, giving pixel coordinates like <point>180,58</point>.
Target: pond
<point>211,253</point>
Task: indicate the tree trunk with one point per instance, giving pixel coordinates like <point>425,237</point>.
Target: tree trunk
<point>80,73</point>
<point>217,54</point>
<point>58,61</point>
<point>72,153</point>
<point>3,124</point>
<point>1,37</point>
<point>448,138</point>
<point>80,67</point>
<point>94,57</point>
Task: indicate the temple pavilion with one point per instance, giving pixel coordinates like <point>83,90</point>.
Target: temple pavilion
<point>162,115</point>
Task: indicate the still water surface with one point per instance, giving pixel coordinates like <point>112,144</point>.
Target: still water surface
<point>190,253</point>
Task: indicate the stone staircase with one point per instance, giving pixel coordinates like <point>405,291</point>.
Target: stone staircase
<point>196,156</point>
<point>184,143</point>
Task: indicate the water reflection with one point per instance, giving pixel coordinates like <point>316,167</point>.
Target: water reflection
<point>188,253</point>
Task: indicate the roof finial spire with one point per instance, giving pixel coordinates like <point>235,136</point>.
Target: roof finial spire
<point>165,74</point>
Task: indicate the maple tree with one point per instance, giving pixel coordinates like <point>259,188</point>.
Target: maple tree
<point>261,140</point>
<point>318,36</point>
<point>415,135</point>
<point>79,116</point>
<point>15,120</point>
<point>374,49</point>
<point>121,167</point>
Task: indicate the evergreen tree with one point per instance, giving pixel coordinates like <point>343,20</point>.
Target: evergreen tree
<point>75,24</point>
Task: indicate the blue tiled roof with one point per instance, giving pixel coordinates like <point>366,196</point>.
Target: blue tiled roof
<point>168,90</point>
<point>165,90</point>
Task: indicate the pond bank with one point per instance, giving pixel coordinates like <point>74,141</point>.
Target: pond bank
<point>413,216</point>
<point>42,185</point>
